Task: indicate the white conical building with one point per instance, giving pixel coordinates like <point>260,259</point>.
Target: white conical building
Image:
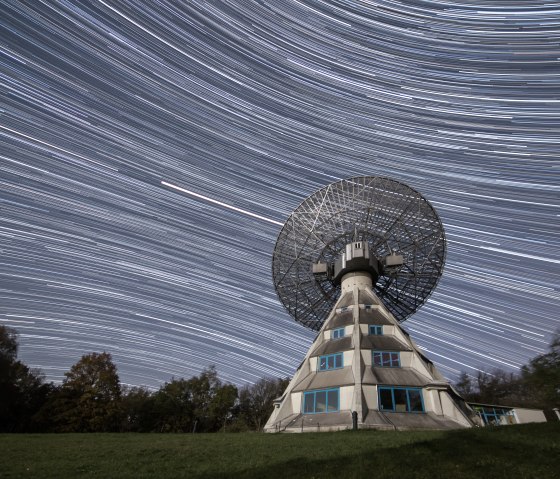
<point>363,362</point>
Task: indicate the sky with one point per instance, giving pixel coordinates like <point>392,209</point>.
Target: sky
<point>151,151</point>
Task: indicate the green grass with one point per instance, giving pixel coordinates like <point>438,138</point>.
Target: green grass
<point>512,452</point>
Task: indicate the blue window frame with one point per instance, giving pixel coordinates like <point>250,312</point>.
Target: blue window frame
<point>322,401</point>
<point>337,333</point>
<point>330,361</point>
<point>494,416</point>
<point>401,400</point>
<point>386,359</point>
<point>375,329</point>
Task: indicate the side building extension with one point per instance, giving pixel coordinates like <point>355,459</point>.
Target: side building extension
<point>494,415</point>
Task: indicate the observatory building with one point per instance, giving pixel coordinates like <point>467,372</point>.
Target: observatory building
<point>353,261</point>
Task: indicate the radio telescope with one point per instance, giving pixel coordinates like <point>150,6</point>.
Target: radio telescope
<point>353,261</point>
<point>401,229</point>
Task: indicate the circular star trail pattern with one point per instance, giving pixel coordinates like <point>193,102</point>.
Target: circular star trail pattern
<point>151,151</point>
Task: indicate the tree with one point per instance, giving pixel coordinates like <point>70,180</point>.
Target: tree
<point>174,407</point>
<point>8,344</point>
<point>538,384</point>
<point>221,406</point>
<point>464,386</point>
<point>202,390</point>
<point>498,387</point>
<point>22,390</point>
<point>212,401</point>
<point>91,395</point>
<point>138,410</point>
<point>255,401</point>
<point>199,404</point>
<point>542,377</point>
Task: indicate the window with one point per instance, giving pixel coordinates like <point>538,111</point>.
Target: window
<point>400,399</point>
<point>337,333</point>
<point>375,330</point>
<point>315,402</point>
<point>495,416</point>
<point>330,361</point>
<point>386,359</point>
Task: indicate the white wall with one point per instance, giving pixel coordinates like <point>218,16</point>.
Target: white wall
<point>313,363</point>
<point>406,359</point>
<point>451,410</point>
<point>528,415</point>
<point>348,358</point>
<point>296,402</point>
<point>370,393</point>
<point>432,401</point>
<point>417,363</point>
<point>366,357</point>
<point>346,396</point>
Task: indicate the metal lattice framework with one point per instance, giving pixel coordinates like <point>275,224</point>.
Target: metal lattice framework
<point>389,215</point>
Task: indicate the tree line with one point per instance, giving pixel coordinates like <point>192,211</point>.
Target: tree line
<point>91,399</point>
<point>536,385</point>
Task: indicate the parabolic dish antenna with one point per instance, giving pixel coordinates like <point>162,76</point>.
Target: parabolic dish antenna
<point>404,234</point>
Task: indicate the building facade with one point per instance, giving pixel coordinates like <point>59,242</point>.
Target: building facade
<point>363,362</point>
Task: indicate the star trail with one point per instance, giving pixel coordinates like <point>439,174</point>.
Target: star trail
<point>150,152</point>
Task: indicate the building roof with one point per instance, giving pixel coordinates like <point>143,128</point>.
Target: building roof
<point>373,316</point>
<point>326,379</point>
<point>345,318</point>
<point>475,404</point>
<point>331,346</point>
<point>383,343</point>
<point>364,297</point>
<point>394,377</point>
<point>346,300</point>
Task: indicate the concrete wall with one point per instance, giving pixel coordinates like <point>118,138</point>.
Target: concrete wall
<point>370,395</point>
<point>451,410</point>
<point>296,402</point>
<point>348,358</point>
<point>356,280</point>
<point>432,401</point>
<point>285,409</point>
<point>313,366</point>
<point>387,330</point>
<point>523,415</point>
<point>406,359</point>
<point>420,366</point>
<point>346,397</point>
<point>366,357</point>
<point>327,334</point>
<point>398,333</point>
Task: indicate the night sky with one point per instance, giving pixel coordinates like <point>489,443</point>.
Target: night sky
<point>151,151</point>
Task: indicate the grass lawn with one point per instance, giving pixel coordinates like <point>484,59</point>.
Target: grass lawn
<point>512,452</point>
